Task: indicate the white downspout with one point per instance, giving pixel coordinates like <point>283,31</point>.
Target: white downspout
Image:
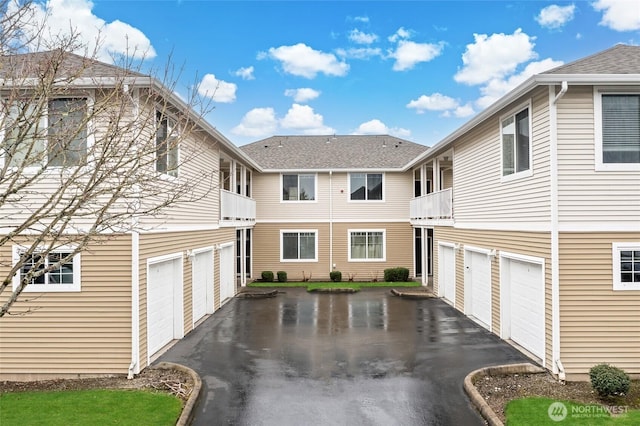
<point>556,366</point>
<point>331,267</point>
<point>134,367</point>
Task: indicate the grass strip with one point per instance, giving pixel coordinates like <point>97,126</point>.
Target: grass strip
<point>547,411</point>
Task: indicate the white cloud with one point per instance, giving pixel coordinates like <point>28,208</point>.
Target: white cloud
<point>619,15</point>
<point>257,122</point>
<point>59,19</point>
<point>361,19</point>
<point>377,127</point>
<point>463,111</point>
<point>555,16</point>
<point>435,102</point>
<point>409,53</point>
<point>494,56</point>
<point>359,53</point>
<point>399,35</point>
<point>302,95</point>
<point>360,37</point>
<point>218,90</point>
<point>302,118</point>
<point>245,73</point>
<point>303,61</point>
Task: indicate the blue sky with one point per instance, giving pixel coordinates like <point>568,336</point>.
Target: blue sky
<point>416,70</point>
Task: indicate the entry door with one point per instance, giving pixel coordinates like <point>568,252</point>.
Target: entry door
<point>202,284</point>
<point>227,273</point>
<point>447,273</point>
<point>478,287</point>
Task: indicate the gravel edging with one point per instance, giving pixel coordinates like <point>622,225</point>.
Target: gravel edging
<point>186,417</point>
<point>478,401</point>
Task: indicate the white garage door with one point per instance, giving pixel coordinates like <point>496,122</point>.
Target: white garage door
<point>478,286</point>
<point>527,305</point>
<point>164,303</point>
<point>447,273</point>
<point>227,273</point>
<point>202,284</point>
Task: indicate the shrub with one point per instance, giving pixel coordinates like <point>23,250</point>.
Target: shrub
<point>396,274</point>
<point>267,276</point>
<point>335,276</point>
<point>608,380</point>
<point>282,276</point>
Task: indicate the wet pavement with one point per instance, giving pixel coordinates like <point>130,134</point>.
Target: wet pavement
<point>367,358</point>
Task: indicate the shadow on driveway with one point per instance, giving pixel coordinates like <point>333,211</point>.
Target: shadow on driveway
<point>337,359</point>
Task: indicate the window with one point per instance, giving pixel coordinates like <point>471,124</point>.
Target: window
<point>617,123</point>
<point>516,143</point>
<point>366,245</point>
<point>626,266</point>
<point>299,245</point>
<point>166,146</point>
<point>67,132</point>
<point>365,186</point>
<point>65,276</point>
<point>21,148</point>
<point>299,187</point>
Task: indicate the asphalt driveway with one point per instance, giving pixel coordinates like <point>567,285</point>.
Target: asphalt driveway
<point>368,358</point>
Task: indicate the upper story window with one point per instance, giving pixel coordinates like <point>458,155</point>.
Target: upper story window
<point>167,149</point>
<point>64,274</point>
<point>626,266</point>
<point>298,187</point>
<point>63,144</point>
<point>366,186</point>
<point>515,131</point>
<point>617,125</point>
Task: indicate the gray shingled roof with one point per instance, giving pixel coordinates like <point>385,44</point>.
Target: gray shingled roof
<point>381,152</point>
<point>619,59</point>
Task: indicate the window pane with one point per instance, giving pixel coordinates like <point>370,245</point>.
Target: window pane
<point>67,132</point>
<point>375,245</point>
<point>358,189</point>
<point>508,138</point>
<point>626,277</point>
<point>289,187</point>
<point>522,148</point>
<point>307,245</point>
<point>374,186</point>
<point>63,274</point>
<point>34,261</point>
<point>289,245</point>
<point>307,187</point>
<point>358,245</point>
<point>625,266</point>
<point>22,126</point>
<point>621,128</point>
<point>625,255</point>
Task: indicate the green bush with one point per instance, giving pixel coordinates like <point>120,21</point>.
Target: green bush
<point>282,276</point>
<point>394,275</point>
<point>267,276</point>
<point>335,276</point>
<point>608,380</point>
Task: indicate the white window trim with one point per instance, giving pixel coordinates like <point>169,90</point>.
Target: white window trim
<point>89,97</point>
<point>616,248</point>
<point>524,173</point>
<point>384,245</point>
<point>315,188</point>
<point>349,200</point>
<point>598,91</point>
<point>50,288</point>
<point>283,231</point>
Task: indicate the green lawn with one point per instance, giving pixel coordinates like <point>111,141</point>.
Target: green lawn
<point>536,411</point>
<point>89,407</point>
<point>310,286</point>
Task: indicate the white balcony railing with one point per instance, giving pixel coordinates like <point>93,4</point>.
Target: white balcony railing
<point>236,208</point>
<point>437,205</point>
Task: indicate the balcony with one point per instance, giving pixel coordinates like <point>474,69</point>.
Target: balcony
<point>236,209</point>
<point>434,208</point>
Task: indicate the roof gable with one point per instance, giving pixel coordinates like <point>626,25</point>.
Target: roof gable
<point>619,59</point>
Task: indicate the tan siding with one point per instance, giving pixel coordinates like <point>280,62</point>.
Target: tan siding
<point>71,334</point>
<point>525,243</point>
<point>598,324</point>
<point>585,194</point>
<point>266,251</point>
<point>160,244</point>
<point>479,193</point>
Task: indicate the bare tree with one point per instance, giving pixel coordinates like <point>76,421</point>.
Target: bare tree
<point>86,149</point>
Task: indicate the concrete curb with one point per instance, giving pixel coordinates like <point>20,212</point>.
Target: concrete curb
<point>257,294</point>
<point>186,417</point>
<point>334,290</point>
<point>477,399</point>
<point>412,294</point>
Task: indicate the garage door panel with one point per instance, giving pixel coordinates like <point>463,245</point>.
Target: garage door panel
<point>448,273</point>
<point>164,284</point>
<point>527,305</point>
<point>478,279</point>
<point>202,284</point>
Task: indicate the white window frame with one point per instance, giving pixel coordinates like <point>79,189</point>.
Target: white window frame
<point>173,130</point>
<point>384,245</point>
<point>616,249</point>
<point>366,200</point>
<point>600,166</point>
<point>76,286</point>
<point>524,173</point>
<point>298,231</point>
<point>89,98</point>
<point>315,187</point>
